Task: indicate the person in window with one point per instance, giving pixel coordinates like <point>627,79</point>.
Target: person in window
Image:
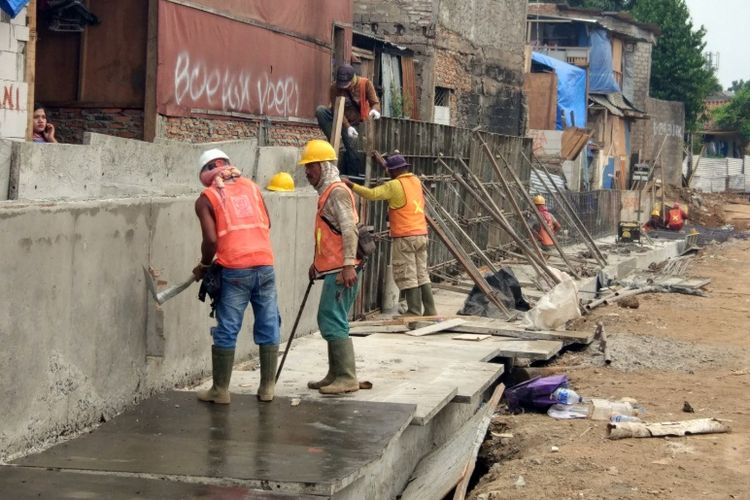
<point>43,131</point>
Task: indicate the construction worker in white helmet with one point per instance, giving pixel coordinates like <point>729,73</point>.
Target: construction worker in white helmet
<point>542,234</point>
<point>236,232</point>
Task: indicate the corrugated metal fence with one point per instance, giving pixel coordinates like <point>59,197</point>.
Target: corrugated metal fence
<point>422,144</point>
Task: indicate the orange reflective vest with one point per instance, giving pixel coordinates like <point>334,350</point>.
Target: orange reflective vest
<point>364,104</point>
<point>329,245</point>
<point>544,238</point>
<point>242,225</point>
<point>409,219</point>
<point>674,218</point>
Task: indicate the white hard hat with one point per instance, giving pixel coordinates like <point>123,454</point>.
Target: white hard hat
<point>211,155</point>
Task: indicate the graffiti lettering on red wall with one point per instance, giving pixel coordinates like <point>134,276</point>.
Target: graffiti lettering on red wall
<point>12,98</point>
<point>231,89</point>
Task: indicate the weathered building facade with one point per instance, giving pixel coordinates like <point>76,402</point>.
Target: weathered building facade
<point>193,70</point>
<point>14,86</point>
<point>468,57</point>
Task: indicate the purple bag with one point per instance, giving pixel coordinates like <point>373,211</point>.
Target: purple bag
<point>534,394</point>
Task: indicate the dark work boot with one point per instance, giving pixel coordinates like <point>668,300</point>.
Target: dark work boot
<point>329,376</point>
<point>222,361</point>
<point>427,300</point>
<point>269,356</point>
<point>344,368</point>
<point>413,301</point>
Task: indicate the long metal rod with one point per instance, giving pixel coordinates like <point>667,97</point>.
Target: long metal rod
<point>503,222</point>
<point>536,261</point>
<point>538,264</point>
<point>468,265</point>
<point>584,232</point>
<point>294,329</point>
<point>513,201</point>
<point>441,211</point>
<point>525,195</point>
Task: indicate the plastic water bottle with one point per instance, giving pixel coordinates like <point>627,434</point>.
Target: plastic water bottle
<point>566,396</point>
<point>624,418</point>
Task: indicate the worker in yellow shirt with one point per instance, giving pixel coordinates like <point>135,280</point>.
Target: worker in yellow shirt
<point>408,229</point>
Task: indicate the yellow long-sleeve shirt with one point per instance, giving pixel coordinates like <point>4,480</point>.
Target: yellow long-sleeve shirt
<point>391,191</point>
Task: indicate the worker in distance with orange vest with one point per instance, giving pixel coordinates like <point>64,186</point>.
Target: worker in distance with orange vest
<point>335,262</point>
<point>361,103</point>
<point>408,228</point>
<point>545,240</point>
<point>676,218</point>
<point>236,230</point>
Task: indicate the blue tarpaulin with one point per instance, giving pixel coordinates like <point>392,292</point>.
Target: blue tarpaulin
<point>602,80</point>
<point>571,90</point>
<point>13,7</point>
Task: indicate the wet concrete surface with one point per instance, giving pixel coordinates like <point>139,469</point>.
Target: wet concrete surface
<point>318,447</point>
<point>22,483</point>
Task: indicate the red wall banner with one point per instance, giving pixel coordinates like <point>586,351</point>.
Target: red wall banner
<point>207,62</point>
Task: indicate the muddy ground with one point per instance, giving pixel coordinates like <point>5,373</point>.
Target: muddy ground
<point>673,348</point>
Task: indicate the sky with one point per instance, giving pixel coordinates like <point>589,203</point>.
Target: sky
<point>726,33</point>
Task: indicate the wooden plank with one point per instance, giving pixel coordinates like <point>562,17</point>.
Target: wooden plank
<point>363,331</point>
<point>498,328</point>
<point>435,328</point>
<point>437,473</point>
<point>471,337</point>
<point>149,106</point>
<point>338,118</point>
<point>30,69</point>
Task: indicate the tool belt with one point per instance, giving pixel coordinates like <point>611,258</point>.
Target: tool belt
<point>211,285</point>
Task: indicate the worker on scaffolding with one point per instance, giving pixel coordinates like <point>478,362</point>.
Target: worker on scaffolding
<point>676,218</point>
<point>542,234</point>
<point>408,229</point>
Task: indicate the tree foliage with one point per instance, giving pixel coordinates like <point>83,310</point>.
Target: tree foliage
<point>678,69</point>
<point>736,114</point>
<point>738,85</point>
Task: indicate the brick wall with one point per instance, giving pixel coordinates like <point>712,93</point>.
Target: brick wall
<point>451,71</point>
<point>70,123</point>
<point>201,129</point>
<point>666,125</point>
<point>640,59</point>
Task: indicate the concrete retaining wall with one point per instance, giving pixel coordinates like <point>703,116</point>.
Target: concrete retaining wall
<point>82,339</point>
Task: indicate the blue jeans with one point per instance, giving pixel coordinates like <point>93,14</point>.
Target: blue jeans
<point>253,285</point>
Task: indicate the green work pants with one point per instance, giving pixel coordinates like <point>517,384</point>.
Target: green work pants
<point>335,303</point>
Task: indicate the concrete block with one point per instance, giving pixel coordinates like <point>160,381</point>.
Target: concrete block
<point>9,65</point>
<point>7,40</point>
<point>21,33</point>
<point>20,19</point>
<point>58,171</point>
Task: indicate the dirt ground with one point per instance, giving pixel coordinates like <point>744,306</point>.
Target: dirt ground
<point>673,348</point>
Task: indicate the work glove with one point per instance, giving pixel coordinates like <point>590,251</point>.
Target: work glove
<point>352,132</point>
<point>374,114</point>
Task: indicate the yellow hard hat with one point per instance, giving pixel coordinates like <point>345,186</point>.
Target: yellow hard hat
<point>281,182</point>
<point>317,150</point>
<point>539,200</point>
<point>655,212</point>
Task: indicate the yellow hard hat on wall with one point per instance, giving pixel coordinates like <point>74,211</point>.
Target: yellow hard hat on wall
<point>281,182</point>
<point>539,200</point>
<point>317,150</point>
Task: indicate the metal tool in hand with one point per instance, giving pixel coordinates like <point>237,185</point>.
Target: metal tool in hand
<point>294,329</point>
<point>168,293</point>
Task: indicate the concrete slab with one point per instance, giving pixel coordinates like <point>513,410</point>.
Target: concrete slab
<point>23,483</point>
<point>317,448</point>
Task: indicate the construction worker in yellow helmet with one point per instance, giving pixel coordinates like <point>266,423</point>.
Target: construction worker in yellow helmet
<point>654,222</point>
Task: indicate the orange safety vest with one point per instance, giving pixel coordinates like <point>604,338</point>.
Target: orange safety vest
<point>544,237</point>
<point>329,245</point>
<point>242,225</point>
<point>674,217</point>
<point>364,104</point>
<point>409,219</point>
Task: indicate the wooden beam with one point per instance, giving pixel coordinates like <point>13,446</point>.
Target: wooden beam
<point>30,75</point>
<point>436,327</point>
<point>338,119</point>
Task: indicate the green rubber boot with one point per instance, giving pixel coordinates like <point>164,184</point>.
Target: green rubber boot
<point>329,376</point>
<point>269,356</point>
<point>413,301</point>
<point>222,361</point>
<point>427,300</point>
<point>344,368</point>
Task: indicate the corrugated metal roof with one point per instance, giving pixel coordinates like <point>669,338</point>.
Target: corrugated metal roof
<point>617,104</point>
<point>536,186</point>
